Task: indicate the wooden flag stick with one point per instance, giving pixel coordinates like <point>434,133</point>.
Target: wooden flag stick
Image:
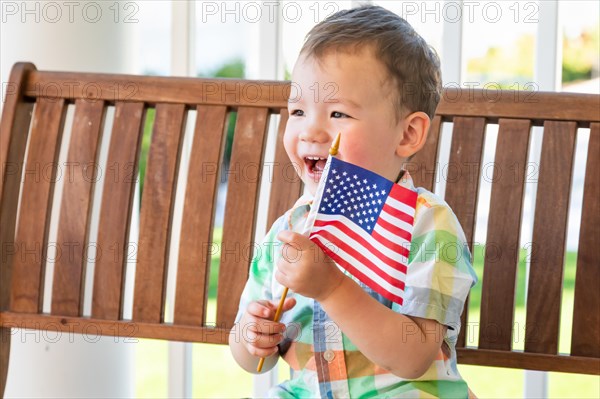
<point>333,150</point>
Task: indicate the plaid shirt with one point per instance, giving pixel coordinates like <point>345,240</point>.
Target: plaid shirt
<point>324,362</point>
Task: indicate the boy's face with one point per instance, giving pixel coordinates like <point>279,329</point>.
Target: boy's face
<point>343,93</point>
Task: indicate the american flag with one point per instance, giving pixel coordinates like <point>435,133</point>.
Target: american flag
<point>364,222</point>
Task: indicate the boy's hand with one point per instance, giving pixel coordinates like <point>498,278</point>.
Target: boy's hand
<point>261,334</point>
<point>305,268</point>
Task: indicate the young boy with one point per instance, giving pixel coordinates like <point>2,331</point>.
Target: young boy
<point>365,73</point>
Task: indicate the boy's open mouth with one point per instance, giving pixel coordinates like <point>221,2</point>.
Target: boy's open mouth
<point>314,166</point>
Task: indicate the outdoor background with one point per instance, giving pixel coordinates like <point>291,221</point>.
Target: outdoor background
<point>498,50</point>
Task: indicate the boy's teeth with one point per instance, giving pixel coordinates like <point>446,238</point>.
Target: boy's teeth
<point>315,158</point>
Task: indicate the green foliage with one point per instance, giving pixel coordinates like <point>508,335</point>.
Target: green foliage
<point>580,55</point>
<point>146,140</point>
<point>514,63</point>
<point>505,65</point>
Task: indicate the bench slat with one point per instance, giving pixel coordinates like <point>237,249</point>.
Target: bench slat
<point>286,186</point>
<point>462,183</point>
<point>240,210</point>
<point>536,106</point>
<point>504,225</point>
<point>586,311</point>
<point>549,233</point>
<point>159,90</point>
<point>36,204</point>
<point>160,184</point>
<point>115,212</point>
<point>422,166</point>
<point>130,331</point>
<point>14,129</point>
<point>528,361</point>
<point>75,211</point>
<point>198,215</point>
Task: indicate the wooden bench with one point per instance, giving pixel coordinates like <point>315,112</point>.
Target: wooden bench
<point>34,117</point>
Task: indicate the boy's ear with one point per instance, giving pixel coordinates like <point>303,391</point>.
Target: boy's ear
<point>414,134</point>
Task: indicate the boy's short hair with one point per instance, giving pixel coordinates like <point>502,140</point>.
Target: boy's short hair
<point>412,64</point>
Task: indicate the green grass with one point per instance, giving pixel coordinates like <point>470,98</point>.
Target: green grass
<point>216,375</point>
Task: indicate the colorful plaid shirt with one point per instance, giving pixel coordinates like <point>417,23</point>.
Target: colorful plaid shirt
<point>324,362</point>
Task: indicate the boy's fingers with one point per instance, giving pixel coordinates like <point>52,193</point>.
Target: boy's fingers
<point>288,304</point>
<point>259,352</point>
<point>264,309</point>
<point>293,239</point>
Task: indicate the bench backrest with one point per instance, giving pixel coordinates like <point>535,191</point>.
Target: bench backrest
<point>515,113</point>
<point>32,127</point>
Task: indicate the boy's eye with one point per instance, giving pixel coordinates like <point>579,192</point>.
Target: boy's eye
<point>336,114</point>
<point>297,112</point>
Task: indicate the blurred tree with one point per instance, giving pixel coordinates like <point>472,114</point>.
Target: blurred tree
<point>514,63</point>
<point>505,65</point>
<point>581,55</point>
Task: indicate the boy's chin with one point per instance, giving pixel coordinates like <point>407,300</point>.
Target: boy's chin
<point>310,186</point>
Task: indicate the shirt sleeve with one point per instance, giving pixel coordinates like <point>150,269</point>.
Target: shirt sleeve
<point>440,273</point>
<point>260,276</point>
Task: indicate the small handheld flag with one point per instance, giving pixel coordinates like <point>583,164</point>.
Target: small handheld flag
<point>364,221</point>
<point>332,151</point>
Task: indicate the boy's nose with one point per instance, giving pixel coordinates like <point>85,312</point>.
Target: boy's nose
<point>315,133</point>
